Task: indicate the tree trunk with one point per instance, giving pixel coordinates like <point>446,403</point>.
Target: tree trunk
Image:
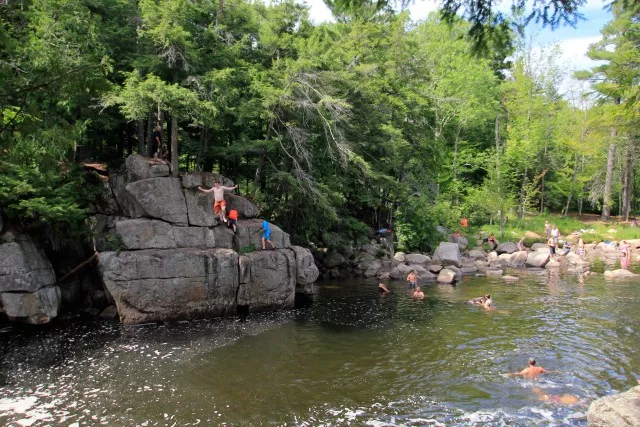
<point>573,183</point>
<point>626,189</point>
<point>120,147</point>
<point>150,127</point>
<point>174,147</point>
<point>523,200</point>
<point>129,140</point>
<point>169,134</point>
<point>140,133</point>
<point>608,185</point>
<point>219,13</point>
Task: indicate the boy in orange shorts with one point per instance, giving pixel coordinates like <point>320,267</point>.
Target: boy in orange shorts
<point>219,205</point>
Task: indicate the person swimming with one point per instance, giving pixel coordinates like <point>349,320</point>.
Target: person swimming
<point>382,287</point>
<point>418,294</point>
<point>561,399</point>
<point>530,371</point>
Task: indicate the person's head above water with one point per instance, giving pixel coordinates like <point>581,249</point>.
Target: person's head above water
<point>532,361</point>
<point>487,296</point>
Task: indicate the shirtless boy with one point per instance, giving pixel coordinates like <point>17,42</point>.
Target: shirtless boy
<point>219,205</point>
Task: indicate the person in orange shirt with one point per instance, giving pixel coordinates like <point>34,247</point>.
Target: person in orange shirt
<point>233,220</point>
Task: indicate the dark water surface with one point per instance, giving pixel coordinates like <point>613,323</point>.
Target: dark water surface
<point>353,358</point>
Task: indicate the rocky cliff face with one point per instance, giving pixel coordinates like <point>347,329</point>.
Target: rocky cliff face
<point>163,255</point>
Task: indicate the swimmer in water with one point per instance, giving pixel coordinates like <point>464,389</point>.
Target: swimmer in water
<point>530,371</point>
<point>382,287</point>
<point>562,399</point>
<point>418,294</point>
<point>484,301</point>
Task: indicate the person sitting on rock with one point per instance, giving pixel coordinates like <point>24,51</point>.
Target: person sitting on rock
<point>266,235</point>
<point>492,241</point>
<point>566,248</point>
<point>412,279</point>
<point>233,220</point>
<point>530,371</point>
<point>382,287</point>
<point>219,205</point>
<point>418,294</point>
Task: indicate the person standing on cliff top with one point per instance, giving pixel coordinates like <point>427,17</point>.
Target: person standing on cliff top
<point>266,235</point>
<point>219,205</point>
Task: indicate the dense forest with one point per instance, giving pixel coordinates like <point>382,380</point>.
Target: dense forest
<point>334,129</point>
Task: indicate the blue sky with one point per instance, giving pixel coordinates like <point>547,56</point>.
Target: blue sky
<point>573,42</point>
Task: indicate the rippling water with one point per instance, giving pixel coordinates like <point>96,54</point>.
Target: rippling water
<point>353,358</point>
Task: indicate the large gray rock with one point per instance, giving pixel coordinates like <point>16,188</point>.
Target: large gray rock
<point>160,198</point>
<point>537,259</point>
<point>306,269</point>
<point>249,234</point>
<point>333,259</point>
<point>372,268</point>
<point>460,240</point>
<point>619,274</point>
<point>200,208</point>
<point>245,208</point>
<point>417,259</point>
<point>477,255</point>
<point>23,266</point>
<point>506,248</point>
<point>619,410</point>
<point>169,284</point>
<point>425,277</point>
<point>272,282</point>
<point>399,256</point>
<point>537,246</point>
<point>128,205</point>
<point>36,308</point>
<point>400,272</point>
<point>448,254</point>
<point>446,276</point>
<point>518,259</point>
<point>142,233</point>
<point>139,168</point>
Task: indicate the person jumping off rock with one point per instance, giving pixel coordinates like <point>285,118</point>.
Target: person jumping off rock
<point>219,205</point>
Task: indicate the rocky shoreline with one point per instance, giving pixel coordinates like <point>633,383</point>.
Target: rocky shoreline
<point>161,255</point>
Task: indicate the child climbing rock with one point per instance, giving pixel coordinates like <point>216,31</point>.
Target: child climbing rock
<point>219,205</point>
<point>233,220</point>
<point>266,235</point>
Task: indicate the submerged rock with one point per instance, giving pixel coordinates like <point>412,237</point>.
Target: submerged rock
<point>35,308</point>
<point>537,259</point>
<point>506,248</point>
<point>619,274</point>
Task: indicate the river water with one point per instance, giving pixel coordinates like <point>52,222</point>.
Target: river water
<point>353,358</point>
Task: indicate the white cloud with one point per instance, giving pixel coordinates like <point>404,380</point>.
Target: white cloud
<point>318,12</point>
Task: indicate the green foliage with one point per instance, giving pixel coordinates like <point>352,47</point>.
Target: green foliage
<point>247,249</point>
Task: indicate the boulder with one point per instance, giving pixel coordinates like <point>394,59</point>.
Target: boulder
<point>499,263</point>
<point>111,312</point>
<point>619,274</point>
<point>399,257</point>
<point>160,198</point>
<point>481,264</point>
<point>245,208</point>
<point>139,168</point>
<point>417,259</point>
<point>531,235</point>
<point>200,208</point>
<point>493,272</point>
<point>333,259</point>
<point>170,284</point>
<point>537,259</point>
<point>518,259</point>
<point>142,233</point>
<point>306,270</point>
<point>619,410</point>
<point>128,205</point>
<point>552,264</point>
<point>23,266</point>
<point>456,270</point>
<point>468,262</point>
<point>573,258</point>
<point>426,277</point>
<point>460,240</point>
<point>372,268</point>
<point>434,268</point>
<point>506,248</point>
<point>400,272</point>
<point>537,246</point>
<point>492,255</point>
<point>477,255</point>
<point>36,308</point>
<point>510,279</point>
<point>224,238</point>
<point>446,276</point>
<point>272,281</point>
<point>448,254</point>
<point>248,234</point>
<point>244,269</point>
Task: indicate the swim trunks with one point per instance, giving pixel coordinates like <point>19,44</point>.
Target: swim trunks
<point>218,205</point>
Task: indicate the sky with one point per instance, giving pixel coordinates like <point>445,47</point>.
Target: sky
<point>573,42</point>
